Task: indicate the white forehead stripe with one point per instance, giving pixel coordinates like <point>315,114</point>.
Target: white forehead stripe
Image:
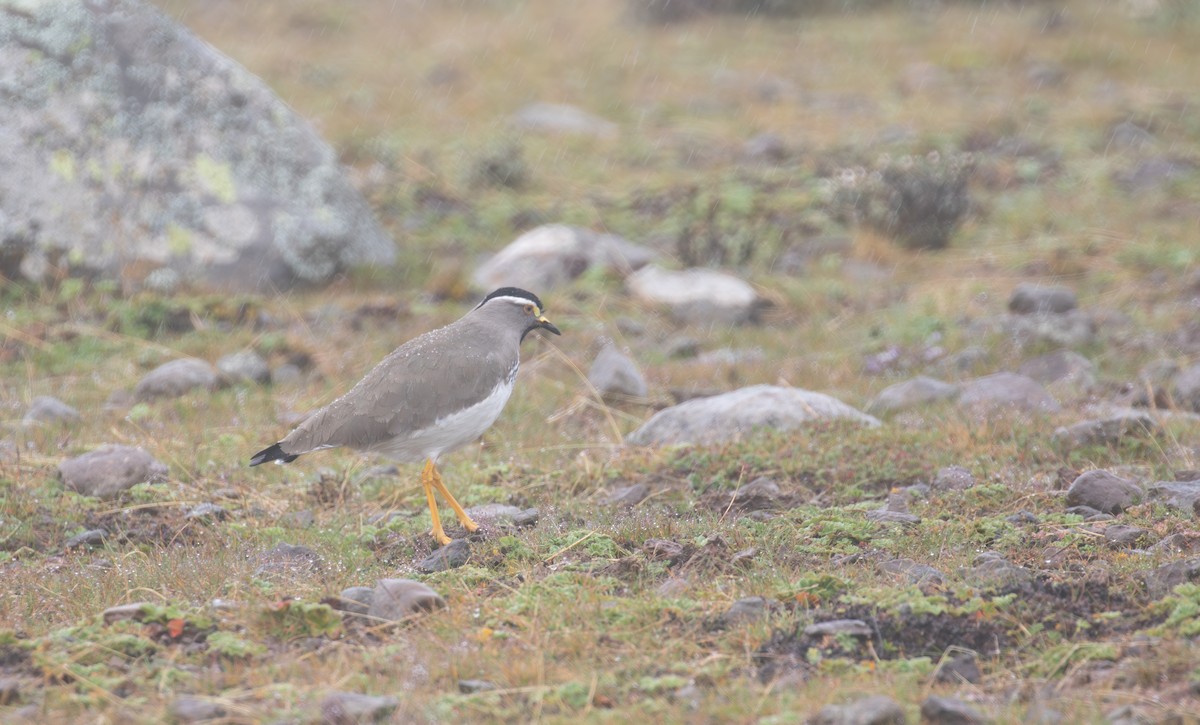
<point>514,300</point>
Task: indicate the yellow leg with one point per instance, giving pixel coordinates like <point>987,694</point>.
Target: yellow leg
<point>463,519</point>
<point>427,481</point>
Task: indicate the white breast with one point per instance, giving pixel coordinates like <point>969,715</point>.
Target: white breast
<point>450,431</point>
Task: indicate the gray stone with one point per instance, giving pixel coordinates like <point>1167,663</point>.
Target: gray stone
<point>765,147</point>
<point>1104,491</point>
<point>123,612</point>
<point>352,708</point>
<point>1063,369</point>
<point>949,711</point>
<point>1023,517</point>
<point>732,415</point>
<point>992,571</point>
<point>109,470</point>
<point>914,572</point>
<point>10,692</point>
<point>953,478</point>
<point>286,374</point>
<point>699,296</point>
<point>1031,298</point>
<point>128,140</point>
<point>913,393</point>
<point>289,560</point>
<point>1182,495</point>
<point>1180,543</point>
<point>870,710</point>
<point>888,516</point>
<point>450,556</point>
<point>176,378</point>
<point>1069,329</point>
<point>206,512</point>
<point>731,356</point>
<point>394,600</point>
<point>470,687</point>
<point>552,255</point>
<point>624,496</point>
<point>1006,392</point>
<point>1159,582</point>
<point>834,627</point>
<point>355,600</point>
<point>1129,135</point>
<point>493,512</point>
<point>615,375</point>
<point>189,708</point>
<point>562,118</point>
<point>663,550</point>
<point>91,538</point>
<point>1128,537</point>
<point>748,609</point>
<point>682,347</point>
<point>958,669</point>
<point>48,409</point>
<point>1108,431</point>
<point>244,366</point>
<point>1154,172</point>
<point>528,517</point>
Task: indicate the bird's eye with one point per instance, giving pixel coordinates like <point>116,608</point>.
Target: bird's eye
<point>529,309</point>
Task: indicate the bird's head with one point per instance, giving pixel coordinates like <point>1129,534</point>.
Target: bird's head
<point>518,308</point>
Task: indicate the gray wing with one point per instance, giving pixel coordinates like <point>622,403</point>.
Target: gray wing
<point>411,388</point>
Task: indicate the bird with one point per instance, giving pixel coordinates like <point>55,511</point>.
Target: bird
<point>430,396</point>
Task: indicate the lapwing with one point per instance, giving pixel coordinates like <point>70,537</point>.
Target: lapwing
<point>430,396</point>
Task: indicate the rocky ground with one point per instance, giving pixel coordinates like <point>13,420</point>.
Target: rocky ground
<point>877,401</point>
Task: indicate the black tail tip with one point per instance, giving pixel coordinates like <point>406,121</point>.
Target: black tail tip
<point>274,453</point>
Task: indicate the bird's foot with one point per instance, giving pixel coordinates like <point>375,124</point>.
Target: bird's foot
<point>440,537</point>
<point>469,525</point>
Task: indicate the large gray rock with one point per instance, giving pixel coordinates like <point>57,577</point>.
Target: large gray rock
<point>129,144</point>
<point>1177,494</point>
<point>918,391</point>
<point>1108,431</point>
<point>48,409</point>
<point>696,295</point>
<point>1001,392</point>
<point>615,374</point>
<point>109,470</point>
<point>1064,369</point>
<point>397,599</point>
<point>1160,581</point>
<point>562,118</point>
<point>731,415</point>
<point>554,254</point>
<point>176,378</point>
<point>244,366</point>
<point>1104,491</point>
<point>870,710</point>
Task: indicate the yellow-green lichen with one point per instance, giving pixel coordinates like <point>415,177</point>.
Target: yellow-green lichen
<point>215,177</point>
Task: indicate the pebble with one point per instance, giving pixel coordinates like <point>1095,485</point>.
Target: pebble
<point>352,708</point>
<point>393,600</point>
<point>450,556</point>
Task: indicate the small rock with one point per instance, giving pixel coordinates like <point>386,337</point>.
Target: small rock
<point>1108,431</point>
<point>663,550</point>
<point>1023,517</point>
<point>834,627</point>
<point>1070,329</point>
<point>915,572</point>
<point>450,556</point>
<point>187,708</point>
<point>528,517</point>
<point>615,375</point>
<point>176,378</point>
<point>123,612</point>
<point>470,687</point>
<point>493,512</point>
<point>1129,135</point>
<point>355,600</point>
<point>949,711</point>
<point>701,296</point>
<point>1087,512</point>
<point>352,708</point>
<point>206,512</point>
<point>732,415</point>
<point>681,347</point>
<point>109,470</point>
<point>871,710</point>
<point>1031,298</point>
<point>626,496</point>
<point>1154,172</point>
<point>1160,581</point>
<point>298,519</point>
<point>289,560</point>
<point>912,393</point>
<point>1062,369</point>
<point>953,478</point>
<point>887,516</point>
<point>1181,543</point>
<point>91,538</point>
<point>765,147</point>
<point>1104,492</point>
<point>1002,392</point>
<point>286,374</point>
<point>244,366</point>
<point>396,599</point>
<point>992,571</point>
<point>673,587</point>
<point>748,609</point>
<point>10,691</point>
<point>562,118</point>
<point>958,669</point>
<point>1128,537</point>
<point>47,409</point>
<point>552,255</point>
<point>743,557</point>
